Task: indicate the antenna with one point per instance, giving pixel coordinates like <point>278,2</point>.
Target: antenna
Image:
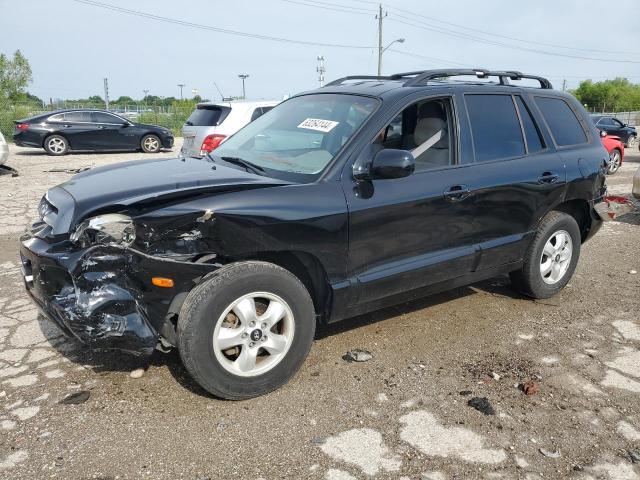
<point>219,91</point>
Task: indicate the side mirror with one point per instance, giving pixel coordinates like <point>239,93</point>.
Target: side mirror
<point>392,163</point>
<point>603,133</point>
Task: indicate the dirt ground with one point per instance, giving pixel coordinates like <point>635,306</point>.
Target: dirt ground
<point>403,414</point>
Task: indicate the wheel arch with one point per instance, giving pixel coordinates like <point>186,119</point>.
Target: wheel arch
<point>308,269</point>
<point>579,210</point>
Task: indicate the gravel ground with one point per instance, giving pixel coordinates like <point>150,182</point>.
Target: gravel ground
<point>402,414</point>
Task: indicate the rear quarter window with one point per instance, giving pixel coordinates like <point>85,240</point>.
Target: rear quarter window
<point>207,116</point>
<point>563,123</point>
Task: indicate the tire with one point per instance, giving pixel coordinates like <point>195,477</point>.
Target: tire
<point>615,159</point>
<point>205,315</point>
<point>56,145</point>
<point>150,144</point>
<point>530,280</point>
<point>631,141</point>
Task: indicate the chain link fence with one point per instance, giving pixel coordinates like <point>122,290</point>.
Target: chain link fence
<point>169,116</point>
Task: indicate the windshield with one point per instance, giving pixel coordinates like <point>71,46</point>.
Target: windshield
<point>300,136</point>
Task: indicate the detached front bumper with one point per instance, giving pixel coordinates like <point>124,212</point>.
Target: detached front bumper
<point>103,295</point>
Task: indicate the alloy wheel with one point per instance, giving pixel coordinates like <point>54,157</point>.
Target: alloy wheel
<point>56,145</point>
<point>253,334</point>
<point>151,144</point>
<point>614,161</point>
<point>556,257</point>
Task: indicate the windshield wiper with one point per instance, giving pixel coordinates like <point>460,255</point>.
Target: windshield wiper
<point>257,169</point>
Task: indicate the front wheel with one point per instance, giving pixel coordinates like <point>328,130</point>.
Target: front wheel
<point>615,160</point>
<point>246,330</point>
<point>631,141</point>
<point>551,258</point>
<point>150,144</point>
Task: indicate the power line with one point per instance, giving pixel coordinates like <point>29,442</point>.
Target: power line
<point>215,29</point>
<point>494,34</point>
<point>515,47</point>
<point>330,6</point>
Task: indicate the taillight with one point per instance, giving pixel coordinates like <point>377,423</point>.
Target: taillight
<point>211,142</point>
<point>22,126</point>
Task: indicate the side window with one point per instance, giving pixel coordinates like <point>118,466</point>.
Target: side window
<point>83,117</point>
<point>56,118</point>
<point>256,113</point>
<point>563,123</point>
<point>100,117</point>
<point>495,127</point>
<point>425,129</point>
<point>531,132</point>
<point>616,123</point>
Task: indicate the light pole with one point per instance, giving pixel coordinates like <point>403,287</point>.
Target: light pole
<point>243,76</point>
<point>382,50</point>
<point>181,85</point>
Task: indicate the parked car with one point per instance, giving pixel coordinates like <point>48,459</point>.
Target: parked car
<point>212,122</point>
<point>4,150</point>
<point>615,149</point>
<point>628,135</point>
<point>67,130</point>
<point>339,201</point>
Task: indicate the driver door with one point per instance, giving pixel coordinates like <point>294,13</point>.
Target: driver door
<point>415,231</point>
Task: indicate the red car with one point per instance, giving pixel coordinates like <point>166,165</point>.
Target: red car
<point>616,151</point>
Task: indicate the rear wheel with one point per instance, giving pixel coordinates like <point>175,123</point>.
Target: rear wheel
<point>150,144</point>
<point>246,330</point>
<point>615,160</point>
<point>56,145</point>
<point>551,258</point>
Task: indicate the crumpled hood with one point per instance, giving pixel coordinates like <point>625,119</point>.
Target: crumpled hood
<point>136,181</point>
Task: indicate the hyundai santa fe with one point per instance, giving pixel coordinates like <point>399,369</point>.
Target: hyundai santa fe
<point>364,193</point>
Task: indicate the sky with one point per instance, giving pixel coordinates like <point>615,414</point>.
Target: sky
<point>72,46</point>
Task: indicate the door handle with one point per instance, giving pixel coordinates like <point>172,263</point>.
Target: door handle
<point>101,127</point>
<point>548,177</point>
<point>456,193</point>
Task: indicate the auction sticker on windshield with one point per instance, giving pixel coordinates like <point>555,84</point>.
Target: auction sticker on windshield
<point>318,124</point>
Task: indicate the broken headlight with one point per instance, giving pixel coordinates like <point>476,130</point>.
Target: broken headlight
<point>111,228</point>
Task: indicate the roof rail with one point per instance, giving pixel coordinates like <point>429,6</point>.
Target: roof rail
<point>422,77</point>
<point>340,81</point>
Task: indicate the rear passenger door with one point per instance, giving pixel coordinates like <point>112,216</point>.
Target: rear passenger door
<point>517,175</point>
<point>78,129</point>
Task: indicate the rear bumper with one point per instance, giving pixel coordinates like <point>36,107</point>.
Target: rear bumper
<point>103,296</point>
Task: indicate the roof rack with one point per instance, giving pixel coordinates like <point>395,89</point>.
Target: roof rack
<point>340,81</point>
<point>422,77</point>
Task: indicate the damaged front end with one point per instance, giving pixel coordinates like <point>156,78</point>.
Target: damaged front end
<point>99,283</point>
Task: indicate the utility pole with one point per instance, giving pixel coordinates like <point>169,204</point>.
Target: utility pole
<point>181,85</point>
<point>380,16</point>
<point>243,76</point>
<point>106,94</point>
<point>564,84</point>
<point>321,69</point>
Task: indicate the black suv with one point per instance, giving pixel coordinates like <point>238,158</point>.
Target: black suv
<point>64,130</point>
<point>359,195</point>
